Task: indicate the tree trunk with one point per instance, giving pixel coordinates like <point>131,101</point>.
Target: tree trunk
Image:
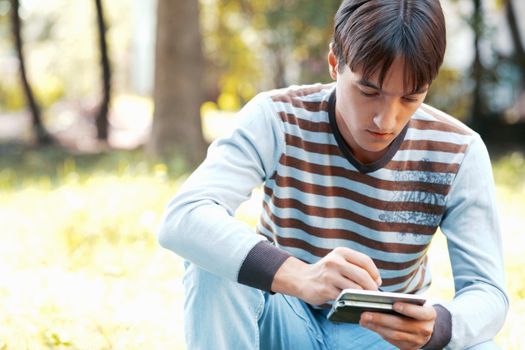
<point>42,137</point>
<point>519,51</point>
<point>477,109</point>
<point>102,115</point>
<point>178,90</point>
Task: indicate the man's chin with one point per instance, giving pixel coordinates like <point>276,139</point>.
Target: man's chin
<point>376,147</point>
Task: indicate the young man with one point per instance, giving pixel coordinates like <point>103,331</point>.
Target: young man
<point>358,175</point>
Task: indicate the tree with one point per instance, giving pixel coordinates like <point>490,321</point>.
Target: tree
<point>42,136</point>
<point>102,114</point>
<point>478,106</point>
<point>178,86</point>
<point>519,50</point>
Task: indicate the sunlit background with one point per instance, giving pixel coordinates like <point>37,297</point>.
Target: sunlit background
<point>87,168</point>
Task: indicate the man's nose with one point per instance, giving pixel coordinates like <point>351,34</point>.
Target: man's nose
<point>385,120</point>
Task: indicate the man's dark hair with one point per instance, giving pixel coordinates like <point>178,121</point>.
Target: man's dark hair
<point>370,34</point>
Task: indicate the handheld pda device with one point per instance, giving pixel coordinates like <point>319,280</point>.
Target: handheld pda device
<point>351,303</point>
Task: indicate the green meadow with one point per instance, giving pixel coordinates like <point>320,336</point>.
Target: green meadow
<point>81,268</point>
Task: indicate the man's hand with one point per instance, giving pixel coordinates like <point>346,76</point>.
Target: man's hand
<point>406,333</point>
<point>321,282</point>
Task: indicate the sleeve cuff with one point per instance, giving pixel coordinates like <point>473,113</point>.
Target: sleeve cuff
<point>261,264</point>
<point>442,329</point>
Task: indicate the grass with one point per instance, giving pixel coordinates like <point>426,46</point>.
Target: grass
<point>80,264</point>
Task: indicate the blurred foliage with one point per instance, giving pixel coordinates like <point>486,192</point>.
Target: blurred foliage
<point>11,96</point>
<point>48,91</point>
<point>509,171</point>
<point>22,168</point>
<point>258,45</point>
<point>296,33</point>
<point>231,55</point>
<point>447,93</point>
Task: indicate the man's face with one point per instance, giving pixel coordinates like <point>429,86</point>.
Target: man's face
<point>371,117</point>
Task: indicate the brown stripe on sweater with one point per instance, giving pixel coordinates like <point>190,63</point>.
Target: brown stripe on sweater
<point>306,90</point>
<point>414,291</point>
<point>318,169</point>
<point>348,215</point>
<point>420,273</point>
<point>435,126</point>
<point>398,280</point>
<point>305,124</point>
<point>314,147</point>
<point>436,146</point>
<point>445,121</point>
<point>334,191</point>
<point>427,166</point>
<point>311,106</point>
<point>423,268</point>
<point>390,265</point>
<point>260,232</point>
<point>322,252</point>
<point>267,226</point>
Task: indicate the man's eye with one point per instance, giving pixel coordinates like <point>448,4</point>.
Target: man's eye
<point>369,94</point>
<point>410,99</point>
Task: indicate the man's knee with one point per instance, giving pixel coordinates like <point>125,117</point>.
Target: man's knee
<point>207,289</point>
<point>225,311</point>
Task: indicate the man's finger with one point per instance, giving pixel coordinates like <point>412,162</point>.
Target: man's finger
<point>386,329</point>
<point>359,276</point>
<point>361,260</point>
<point>384,320</point>
<point>342,282</point>
<point>422,313</point>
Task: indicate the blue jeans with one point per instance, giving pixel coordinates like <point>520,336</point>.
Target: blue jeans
<point>222,314</point>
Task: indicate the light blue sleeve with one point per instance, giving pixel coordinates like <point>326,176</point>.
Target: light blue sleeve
<point>472,229</point>
<point>198,224</point>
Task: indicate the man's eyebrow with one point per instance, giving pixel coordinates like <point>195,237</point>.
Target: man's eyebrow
<point>421,90</point>
<point>369,84</point>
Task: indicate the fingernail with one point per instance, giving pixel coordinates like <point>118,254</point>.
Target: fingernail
<point>398,307</point>
<point>366,318</point>
<point>378,281</point>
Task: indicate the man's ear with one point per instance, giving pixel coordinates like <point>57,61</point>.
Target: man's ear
<point>332,63</point>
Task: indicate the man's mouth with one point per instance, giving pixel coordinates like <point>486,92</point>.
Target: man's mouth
<point>379,134</point>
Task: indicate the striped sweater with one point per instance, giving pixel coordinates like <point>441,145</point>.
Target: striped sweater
<point>317,197</point>
<point>320,197</point>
